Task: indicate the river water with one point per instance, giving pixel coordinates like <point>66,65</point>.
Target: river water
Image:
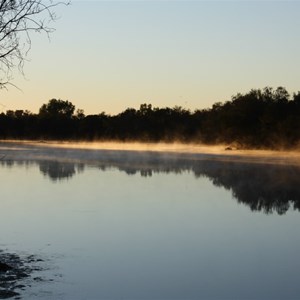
<point>148,225</point>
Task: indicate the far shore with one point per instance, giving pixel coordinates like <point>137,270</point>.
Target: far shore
<point>192,151</point>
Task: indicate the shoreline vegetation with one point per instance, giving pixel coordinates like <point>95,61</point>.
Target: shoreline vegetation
<point>267,119</point>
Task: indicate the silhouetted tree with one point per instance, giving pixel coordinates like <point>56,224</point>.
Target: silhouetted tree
<point>56,119</point>
<point>18,18</point>
<point>267,118</point>
<point>57,108</point>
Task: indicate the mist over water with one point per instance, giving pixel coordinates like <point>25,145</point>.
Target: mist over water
<point>268,183</point>
<point>165,223</point>
<point>83,151</point>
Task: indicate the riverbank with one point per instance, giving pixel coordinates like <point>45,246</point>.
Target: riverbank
<point>17,273</point>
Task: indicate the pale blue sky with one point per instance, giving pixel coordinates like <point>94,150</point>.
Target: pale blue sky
<point>110,55</point>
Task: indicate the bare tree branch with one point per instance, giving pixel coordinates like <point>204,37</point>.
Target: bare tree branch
<point>18,18</point>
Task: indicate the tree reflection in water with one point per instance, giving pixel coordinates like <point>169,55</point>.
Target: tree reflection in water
<point>263,187</point>
<point>58,170</point>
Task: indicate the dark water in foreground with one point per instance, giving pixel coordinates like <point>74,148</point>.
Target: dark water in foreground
<point>115,225</point>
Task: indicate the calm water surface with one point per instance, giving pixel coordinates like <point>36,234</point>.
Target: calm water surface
<point>152,226</point>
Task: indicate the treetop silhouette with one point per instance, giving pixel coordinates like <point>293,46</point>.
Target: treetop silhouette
<point>267,118</point>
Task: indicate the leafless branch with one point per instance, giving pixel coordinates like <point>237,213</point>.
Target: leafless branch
<point>18,18</point>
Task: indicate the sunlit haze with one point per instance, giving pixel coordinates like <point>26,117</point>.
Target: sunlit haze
<point>110,55</point>
<point>191,151</point>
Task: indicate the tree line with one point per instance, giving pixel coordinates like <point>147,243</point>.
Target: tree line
<point>261,118</point>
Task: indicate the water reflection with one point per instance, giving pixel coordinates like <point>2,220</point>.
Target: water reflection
<point>267,188</point>
<point>57,170</point>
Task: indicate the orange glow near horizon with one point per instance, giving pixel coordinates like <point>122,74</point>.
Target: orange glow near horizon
<point>217,152</point>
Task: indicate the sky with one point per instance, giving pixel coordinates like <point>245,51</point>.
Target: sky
<point>111,55</point>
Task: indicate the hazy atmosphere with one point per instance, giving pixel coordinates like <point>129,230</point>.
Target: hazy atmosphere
<point>149,150</point>
<point>110,55</point>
